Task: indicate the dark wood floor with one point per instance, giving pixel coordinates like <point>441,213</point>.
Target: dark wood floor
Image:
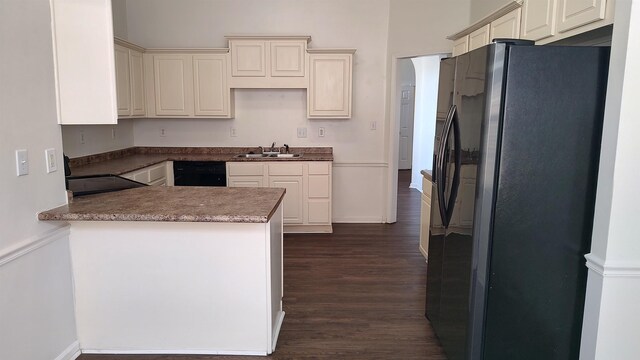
<point>355,294</point>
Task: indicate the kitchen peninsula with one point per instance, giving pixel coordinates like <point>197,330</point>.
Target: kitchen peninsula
<point>183,270</point>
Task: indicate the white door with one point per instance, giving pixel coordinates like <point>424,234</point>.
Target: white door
<point>407,100</point>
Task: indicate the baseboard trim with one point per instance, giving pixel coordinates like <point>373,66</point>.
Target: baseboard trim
<point>359,164</point>
<point>71,352</point>
<point>173,352</point>
<point>359,220</point>
<point>307,229</point>
<point>276,331</point>
<point>612,268</point>
<point>33,243</point>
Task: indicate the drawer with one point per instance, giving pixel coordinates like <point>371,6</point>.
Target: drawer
<point>319,168</point>
<point>245,169</point>
<point>157,172</point>
<point>285,169</point>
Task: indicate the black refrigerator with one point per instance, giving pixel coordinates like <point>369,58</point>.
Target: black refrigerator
<point>515,170</point>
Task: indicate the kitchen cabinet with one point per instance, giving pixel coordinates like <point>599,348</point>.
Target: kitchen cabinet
<point>575,13</point>
<point>155,175</point>
<point>319,193</point>
<point>506,27</point>
<point>330,83</point>
<point>129,79</point>
<point>84,62</point>
<point>188,84</point>
<point>480,37</point>
<point>268,61</point>
<point>425,216</point>
<point>460,46</point>
<point>307,201</point>
<point>538,19</point>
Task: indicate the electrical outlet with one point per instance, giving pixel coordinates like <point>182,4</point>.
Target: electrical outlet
<point>22,162</point>
<point>321,132</point>
<point>163,132</point>
<point>373,125</point>
<point>50,157</point>
<point>302,132</point>
<point>233,132</point>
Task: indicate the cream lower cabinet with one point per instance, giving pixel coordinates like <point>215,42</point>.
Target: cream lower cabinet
<point>330,83</point>
<point>191,85</point>
<point>307,201</point>
<point>425,216</point>
<point>155,175</point>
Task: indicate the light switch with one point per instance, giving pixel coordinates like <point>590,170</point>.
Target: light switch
<point>302,132</point>
<point>52,164</point>
<point>22,162</point>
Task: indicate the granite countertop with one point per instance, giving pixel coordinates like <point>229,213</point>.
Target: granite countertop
<point>173,204</point>
<point>427,174</point>
<point>123,161</point>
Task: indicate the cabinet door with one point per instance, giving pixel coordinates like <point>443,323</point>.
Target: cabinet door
<point>329,92</point>
<point>425,222</point>
<point>173,85</point>
<point>292,203</point>
<point>245,181</point>
<point>461,46</point>
<point>480,37</point>
<point>538,19</point>
<point>575,13</point>
<point>138,103</point>
<point>248,58</point>
<point>210,85</point>
<point>506,27</point>
<point>123,80</point>
<point>287,58</point>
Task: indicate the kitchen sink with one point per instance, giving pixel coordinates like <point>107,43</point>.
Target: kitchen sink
<point>268,155</point>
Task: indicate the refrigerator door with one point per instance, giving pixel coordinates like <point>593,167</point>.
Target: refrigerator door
<point>461,167</point>
<point>436,229</point>
<point>544,202</point>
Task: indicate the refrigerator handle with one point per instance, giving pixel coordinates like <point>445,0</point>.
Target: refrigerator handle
<point>458,165</point>
<point>440,180</point>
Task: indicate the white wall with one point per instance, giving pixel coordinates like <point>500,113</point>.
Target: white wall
<point>36,305</point>
<point>427,76</point>
<point>612,315</point>
<point>482,8</point>
<point>80,140</point>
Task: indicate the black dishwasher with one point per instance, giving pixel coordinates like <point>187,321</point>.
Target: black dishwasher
<point>199,173</point>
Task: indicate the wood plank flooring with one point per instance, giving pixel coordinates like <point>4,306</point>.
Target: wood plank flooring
<point>358,293</point>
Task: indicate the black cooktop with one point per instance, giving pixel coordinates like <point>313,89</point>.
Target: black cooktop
<point>95,184</point>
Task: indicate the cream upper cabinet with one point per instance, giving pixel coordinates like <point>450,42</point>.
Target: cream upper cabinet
<point>173,85</point>
<point>538,19</point>
<point>506,27</point>
<point>136,67</point>
<point>480,37</point>
<point>268,61</point>
<point>84,62</point>
<point>185,84</point>
<point>330,83</point>
<point>575,13</point>
<point>123,80</point>
<point>211,92</point>
<point>129,80</point>
<point>461,46</point>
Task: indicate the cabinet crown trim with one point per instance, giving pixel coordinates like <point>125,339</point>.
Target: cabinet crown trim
<point>331,51</point>
<point>190,51</point>
<point>268,37</point>
<point>505,9</point>
<point>125,43</point>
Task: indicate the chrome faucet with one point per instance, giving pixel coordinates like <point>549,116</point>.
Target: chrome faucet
<point>286,148</point>
<point>260,149</point>
<point>273,146</point>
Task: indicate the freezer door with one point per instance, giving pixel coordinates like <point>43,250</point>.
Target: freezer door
<point>454,197</point>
